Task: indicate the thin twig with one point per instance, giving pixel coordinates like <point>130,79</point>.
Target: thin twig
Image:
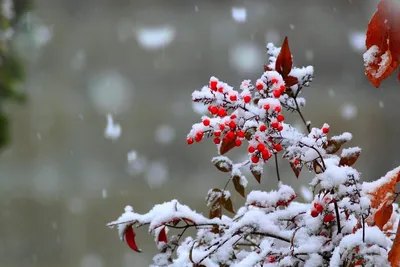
<point>220,245</point>
<point>337,217</point>
<point>363,226</point>
<point>271,235</point>
<point>177,241</point>
<point>277,167</point>
<point>301,115</point>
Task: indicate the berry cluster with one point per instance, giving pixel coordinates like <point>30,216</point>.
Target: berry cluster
<point>320,207</point>
<point>255,114</point>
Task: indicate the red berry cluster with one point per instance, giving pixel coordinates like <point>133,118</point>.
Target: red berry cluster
<point>277,89</point>
<point>229,131</point>
<point>318,209</point>
<point>264,147</point>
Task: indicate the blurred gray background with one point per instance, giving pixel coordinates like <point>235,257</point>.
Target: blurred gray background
<point>61,180</point>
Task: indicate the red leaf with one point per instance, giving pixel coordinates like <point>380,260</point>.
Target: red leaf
<point>226,146</point>
<point>284,62</point>
<point>162,236</point>
<point>130,238</point>
<point>383,214</point>
<point>383,32</point>
<point>295,169</point>
<point>394,253</point>
<point>290,81</point>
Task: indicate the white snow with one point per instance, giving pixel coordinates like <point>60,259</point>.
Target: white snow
<point>132,156</point>
<point>110,92</point>
<point>306,193</point>
<point>112,130</point>
<point>199,108</point>
<point>104,193</point>
<point>154,38</point>
<point>76,205</point>
<point>239,14</point>
<point>78,62</point>
<point>348,111</point>
<point>165,134</point>
<point>357,40</point>
<point>246,57</point>
<point>7,8</point>
<point>157,174</point>
<point>42,35</point>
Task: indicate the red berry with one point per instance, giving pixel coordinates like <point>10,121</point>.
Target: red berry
<point>263,128</point>
<point>275,124</point>
<point>241,134</point>
<point>278,147</point>
<point>217,134</point>
<point>221,89</point>
<point>198,138</point>
<point>265,154</point>
<point>318,207</point>
<point>221,112</point>
<point>190,141</point>
<point>296,162</point>
<point>206,121</point>
<point>280,127</point>
<point>266,106</point>
<point>282,88</point>
<point>328,218</point>
<point>232,125</point>
<point>277,93</point>
<point>200,133</point>
<point>213,109</point>
<point>213,85</point>
<point>260,86</point>
<point>217,140</point>
<point>314,213</point>
<point>255,159</point>
<point>251,149</point>
<point>247,98</point>
<point>260,147</point>
<point>274,80</point>
<point>325,130</point>
<point>222,127</point>
<point>278,108</point>
<point>271,259</point>
<point>230,135</point>
<point>280,117</point>
<point>233,97</point>
<point>238,142</point>
<point>233,116</point>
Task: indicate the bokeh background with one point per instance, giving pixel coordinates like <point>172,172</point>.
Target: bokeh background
<point>62,180</point>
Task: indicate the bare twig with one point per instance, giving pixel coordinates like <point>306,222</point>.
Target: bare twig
<point>277,167</point>
<point>337,217</point>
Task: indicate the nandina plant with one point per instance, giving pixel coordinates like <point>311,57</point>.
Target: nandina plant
<point>348,222</point>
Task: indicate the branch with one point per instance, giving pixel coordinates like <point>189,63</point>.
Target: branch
<point>277,167</point>
<point>337,217</point>
<point>301,115</point>
<point>271,235</point>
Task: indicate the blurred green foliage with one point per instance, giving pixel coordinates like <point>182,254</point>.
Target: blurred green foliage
<point>11,67</point>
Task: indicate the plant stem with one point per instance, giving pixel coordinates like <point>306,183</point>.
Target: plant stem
<point>363,226</point>
<point>277,168</point>
<point>301,115</point>
<point>337,217</point>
